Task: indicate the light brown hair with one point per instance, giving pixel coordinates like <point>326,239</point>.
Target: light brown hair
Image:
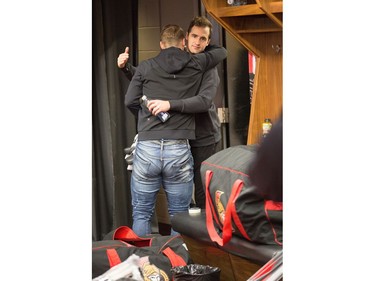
<point>171,35</point>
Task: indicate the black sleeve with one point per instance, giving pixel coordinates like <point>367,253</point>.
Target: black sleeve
<point>211,57</point>
<point>134,92</point>
<point>203,100</point>
<point>129,70</point>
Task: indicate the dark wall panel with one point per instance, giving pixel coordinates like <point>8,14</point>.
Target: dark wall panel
<point>238,91</point>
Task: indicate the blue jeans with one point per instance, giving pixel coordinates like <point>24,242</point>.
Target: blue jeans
<point>157,163</point>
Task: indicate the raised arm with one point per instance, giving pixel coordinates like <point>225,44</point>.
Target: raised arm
<point>124,65</point>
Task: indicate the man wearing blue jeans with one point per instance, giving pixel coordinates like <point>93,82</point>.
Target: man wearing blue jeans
<point>207,125</point>
<point>162,155</point>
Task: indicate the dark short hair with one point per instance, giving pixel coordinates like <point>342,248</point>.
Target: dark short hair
<point>172,34</point>
<point>200,22</point>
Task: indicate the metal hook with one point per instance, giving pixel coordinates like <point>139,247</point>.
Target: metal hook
<point>277,48</point>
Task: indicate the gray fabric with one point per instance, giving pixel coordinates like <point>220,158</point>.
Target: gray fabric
<point>113,126</point>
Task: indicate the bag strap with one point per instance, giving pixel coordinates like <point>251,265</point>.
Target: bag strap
<point>126,234</point>
<point>209,202</point>
<point>273,205</point>
<point>230,212</point>
<point>113,257</point>
<point>237,187</point>
<point>270,205</point>
<point>230,208</point>
<point>175,259</point>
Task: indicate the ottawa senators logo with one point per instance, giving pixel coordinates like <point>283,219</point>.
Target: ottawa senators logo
<point>219,206</point>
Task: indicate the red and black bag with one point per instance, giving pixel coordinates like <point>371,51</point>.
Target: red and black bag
<point>160,253</point>
<point>232,205</point>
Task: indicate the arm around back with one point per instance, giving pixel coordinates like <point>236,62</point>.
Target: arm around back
<point>212,56</point>
<point>203,100</point>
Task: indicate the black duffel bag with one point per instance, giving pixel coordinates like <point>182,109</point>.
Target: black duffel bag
<point>232,204</point>
<point>158,253</point>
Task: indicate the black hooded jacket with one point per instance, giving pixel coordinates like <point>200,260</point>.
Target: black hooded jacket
<point>172,75</point>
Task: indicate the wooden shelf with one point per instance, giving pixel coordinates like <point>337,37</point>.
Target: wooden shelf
<point>253,24</point>
<point>261,30</point>
<point>258,27</point>
<point>248,10</point>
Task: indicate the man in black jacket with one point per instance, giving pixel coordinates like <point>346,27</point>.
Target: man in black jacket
<point>207,125</point>
<point>162,155</point>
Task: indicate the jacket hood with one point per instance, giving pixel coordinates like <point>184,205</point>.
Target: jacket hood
<point>172,60</point>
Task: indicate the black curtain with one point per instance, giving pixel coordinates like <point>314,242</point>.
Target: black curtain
<point>114,127</point>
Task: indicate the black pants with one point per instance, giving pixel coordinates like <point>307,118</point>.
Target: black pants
<point>200,154</point>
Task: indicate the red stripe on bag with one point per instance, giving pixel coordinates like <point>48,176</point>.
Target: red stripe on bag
<point>229,211</point>
<point>226,168</point>
<point>267,268</point>
<point>209,202</point>
<point>273,206</point>
<point>175,259</point>
<point>125,233</point>
<point>113,257</point>
<point>210,212</point>
<point>174,237</point>
<point>236,189</point>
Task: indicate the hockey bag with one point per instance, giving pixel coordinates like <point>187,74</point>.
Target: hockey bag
<point>158,253</point>
<point>232,205</point>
